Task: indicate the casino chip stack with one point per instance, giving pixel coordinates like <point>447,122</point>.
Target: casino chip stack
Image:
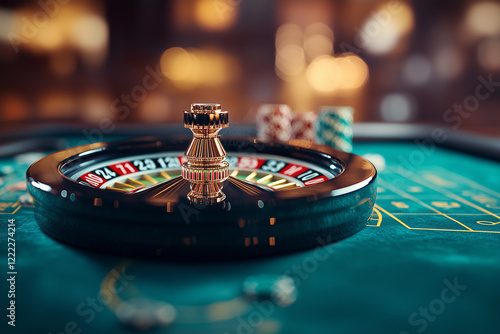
<point>334,127</point>
<point>274,122</point>
<point>303,125</point>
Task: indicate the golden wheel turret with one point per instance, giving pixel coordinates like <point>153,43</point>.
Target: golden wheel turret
<point>205,167</point>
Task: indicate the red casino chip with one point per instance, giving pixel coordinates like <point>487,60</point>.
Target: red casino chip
<point>303,125</point>
<point>274,122</point>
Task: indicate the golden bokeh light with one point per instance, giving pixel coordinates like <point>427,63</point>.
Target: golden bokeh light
<point>319,28</point>
<point>304,59</point>
<point>483,18</point>
<point>217,68</point>
<point>354,71</point>
<point>401,17</point>
<point>90,33</point>
<point>51,37</point>
<point>215,15</point>
<point>188,68</point>
<point>178,64</point>
<point>324,74</point>
<point>290,61</point>
<point>385,27</point>
<point>78,26</point>
<point>317,45</point>
<point>289,34</point>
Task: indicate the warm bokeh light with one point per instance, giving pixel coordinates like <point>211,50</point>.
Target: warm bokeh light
<point>319,28</point>
<point>51,37</point>
<point>318,41</point>
<point>290,57</point>
<point>327,74</point>
<point>295,47</point>
<point>215,15</point>
<point>324,74</point>
<point>302,53</point>
<point>354,71</point>
<point>188,68</point>
<point>289,34</point>
<point>305,61</point>
<point>483,18</point>
<point>401,17</point>
<point>317,45</point>
<point>89,33</point>
<point>78,26</point>
<point>290,61</point>
<point>178,64</point>
<point>385,27</point>
<point>217,67</point>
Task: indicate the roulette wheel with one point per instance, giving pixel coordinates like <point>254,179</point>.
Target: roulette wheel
<point>425,260</point>
<point>201,197</point>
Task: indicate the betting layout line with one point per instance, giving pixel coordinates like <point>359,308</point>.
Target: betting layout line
<point>440,229</point>
<point>405,195</point>
<point>435,214</point>
<point>388,198</point>
<point>392,216</point>
<point>448,193</point>
<point>470,182</point>
<point>430,229</point>
<point>379,219</point>
<point>11,213</point>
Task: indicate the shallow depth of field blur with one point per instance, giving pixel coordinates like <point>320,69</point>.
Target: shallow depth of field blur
<point>143,62</point>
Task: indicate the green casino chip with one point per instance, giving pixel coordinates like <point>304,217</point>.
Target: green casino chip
<point>334,127</point>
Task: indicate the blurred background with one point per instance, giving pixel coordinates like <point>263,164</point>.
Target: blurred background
<point>141,62</point>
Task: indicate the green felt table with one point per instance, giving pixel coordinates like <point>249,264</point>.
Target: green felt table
<point>428,261</point>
